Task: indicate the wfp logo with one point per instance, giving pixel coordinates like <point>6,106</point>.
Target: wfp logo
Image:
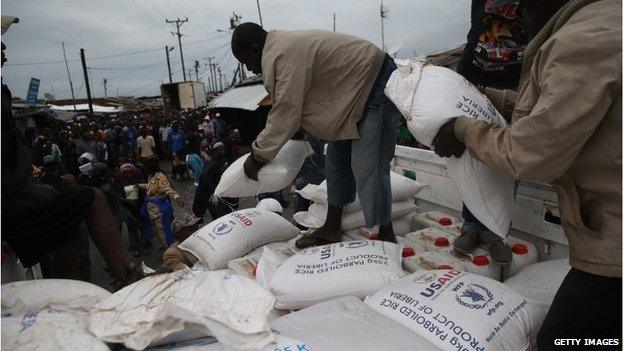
<point>356,244</point>
<point>222,228</point>
<point>474,296</point>
<point>425,278</point>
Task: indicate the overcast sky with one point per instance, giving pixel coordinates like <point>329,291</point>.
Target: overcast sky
<point>118,27</point>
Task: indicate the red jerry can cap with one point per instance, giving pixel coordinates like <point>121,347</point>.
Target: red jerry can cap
<point>445,221</point>
<point>253,272</point>
<point>441,241</point>
<point>520,249</point>
<point>408,252</point>
<point>481,260</point>
<point>374,236</point>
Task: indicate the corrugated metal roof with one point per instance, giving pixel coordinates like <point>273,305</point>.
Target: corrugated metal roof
<point>245,98</point>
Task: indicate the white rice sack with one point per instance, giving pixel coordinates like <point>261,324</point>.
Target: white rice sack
<point>353,220</point>
<point>348,324</point>
<point>46,329</point>
<point>235,234</point>
<point>55,293</point>
<point>275,175</point>
<point>540,281</point>
<point>403,188</point>
<point>270,204</point>
<point>232,308</point>
<point>429,96</point>
<point>461,311</point>
<point>321,273</point>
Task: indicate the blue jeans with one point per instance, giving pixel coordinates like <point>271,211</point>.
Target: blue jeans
<point>363,165</point>
<point>472,224</point>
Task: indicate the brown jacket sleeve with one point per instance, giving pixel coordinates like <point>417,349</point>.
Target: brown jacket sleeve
<point>575,91</point>
<point>287,89</point>
<point>503,100</point>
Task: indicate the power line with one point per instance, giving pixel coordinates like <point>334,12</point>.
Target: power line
<point>148,16</point>
<point>114,55</point>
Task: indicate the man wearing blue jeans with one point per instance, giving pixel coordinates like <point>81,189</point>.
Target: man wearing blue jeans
<point>492,58</point>
<point>330,85</point>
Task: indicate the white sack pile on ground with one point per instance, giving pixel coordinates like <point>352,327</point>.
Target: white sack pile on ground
<point>275,175</point>
<point>49,314</point>
<point>232,308</point>
<point>429,96</point>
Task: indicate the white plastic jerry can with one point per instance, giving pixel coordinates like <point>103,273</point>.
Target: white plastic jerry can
<point>433,238</point>
<point>481,263</point>
<point>430,260</point>
<point>524,254</point>
<point>437,219</point>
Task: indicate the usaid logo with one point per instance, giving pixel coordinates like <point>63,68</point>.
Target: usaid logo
<point>356,244</point>
<point>222,228</point>
<point>424,278</point>
<point>474,296</point>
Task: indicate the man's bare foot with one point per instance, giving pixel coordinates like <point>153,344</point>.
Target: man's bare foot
<point>321,236</point>
<point>386,233</point>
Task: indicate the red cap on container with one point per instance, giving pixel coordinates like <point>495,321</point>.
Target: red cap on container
<point>253,272</point>
<point>445,221</point>
<point>408,252</point>
<point>520,249</point>
<point>480,260</point>
<point>441,241</point>
<point>445,266</point>
<point>374,236</point>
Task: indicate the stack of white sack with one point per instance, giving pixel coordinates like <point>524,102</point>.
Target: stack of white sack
<point>184,305</point>
<point>429,96</point>
<point>354,268</point>
<point>49,314</point>
<point>274,176</point>
<point>403,192</point>
<point>348,324</point>
<point>461,311</point>
<point>235,234</point>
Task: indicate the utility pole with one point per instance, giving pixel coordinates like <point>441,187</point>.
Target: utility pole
<point>213,72</point>
<point>220,78</point>
<point>71,85</point>
<point>211,78</point>
<point>86,77</point>
<point>105,81</point>
<point>259,13</point>
<point>383,12</point>
<point>197,70</point>
<point>167,49</point>
<point>178,24</point>
<point>334,21</point>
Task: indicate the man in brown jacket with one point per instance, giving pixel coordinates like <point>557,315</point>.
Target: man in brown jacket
<point>331,85</point>
<point>566,130</point>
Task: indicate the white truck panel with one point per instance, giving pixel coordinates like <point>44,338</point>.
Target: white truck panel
<point>534,217</point>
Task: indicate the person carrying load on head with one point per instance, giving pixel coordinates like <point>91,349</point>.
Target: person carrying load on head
<point>332,86</point>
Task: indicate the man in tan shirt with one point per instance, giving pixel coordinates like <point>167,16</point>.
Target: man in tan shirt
<point>330,85</point>
<point>175,258</point>
<point>566,130</point>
